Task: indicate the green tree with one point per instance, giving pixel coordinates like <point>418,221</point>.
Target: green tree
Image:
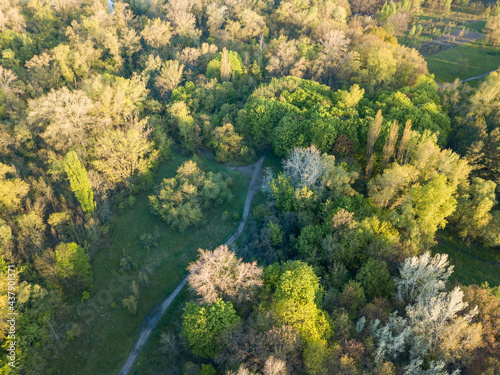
<point>228,143</point>
<point>72,266</point>
<point>79,182</point>
<point>283,192</point>
<point>375,278</point>
<point>203,325</point>
<point>226,63</point>
<point>474,205</point>
<point>296,300</point>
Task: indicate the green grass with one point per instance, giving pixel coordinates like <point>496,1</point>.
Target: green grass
<point>108,333</point>
<point>152,359</point>
<point>469,269</point>
<point>465,61</point>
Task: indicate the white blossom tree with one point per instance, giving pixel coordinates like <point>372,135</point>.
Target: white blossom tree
<point>434,324</point>
<point>220,274</point>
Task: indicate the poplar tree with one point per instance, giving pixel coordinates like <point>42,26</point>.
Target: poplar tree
<point>79,182</point>
<point>225,65</point>
<point>390,143</point>
<point>373,133</point>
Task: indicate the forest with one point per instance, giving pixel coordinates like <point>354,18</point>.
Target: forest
<point>323,174</point>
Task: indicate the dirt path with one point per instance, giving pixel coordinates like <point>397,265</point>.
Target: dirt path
<point>150,322</point>
<point>477,77</point>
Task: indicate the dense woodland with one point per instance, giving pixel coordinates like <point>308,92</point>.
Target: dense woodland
<point>335,274</point>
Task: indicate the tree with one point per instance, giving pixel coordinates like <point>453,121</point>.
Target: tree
<point>304,166</point>
<point>434,325</point>
<point>11,17</point>
<point>66,115</point>
<point>373,133</point>
<point>295,301</point>
<point>225,65</point>
<point>12,190</point>
<point>390,143</point>
<point>79,182</point>
<point>484,153</point>
<point>228,143</point>
<point>157,33</point>
<point>282,59</point>
<point>492,29</point>
<point>422,277</point>
<point>282,192</point>
<point>386,189</point>
<point>203,325</point>
<point>431,205</point>
<point>375,278</point>
<point>170,76</point>
<point>72,266</point>
<point>220,274</point>
<point>31,236</point>
<point>188,128</point>
<point>179,201</point>
<point>122,154</point>
<point>474,204</point>
<point>179,12</point>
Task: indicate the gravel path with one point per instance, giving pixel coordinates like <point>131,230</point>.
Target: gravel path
<point>152,319</point>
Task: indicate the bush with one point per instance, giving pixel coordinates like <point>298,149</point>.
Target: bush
<point>85,296</point>
<point>149,240</point>
<point>130,303</point>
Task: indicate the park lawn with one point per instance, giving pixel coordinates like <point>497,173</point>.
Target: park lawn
<point>469,269</point>
<point>465,61</point>
<point>108,330</point>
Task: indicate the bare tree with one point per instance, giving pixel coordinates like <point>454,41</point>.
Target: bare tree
<point>275,366</point>
<point>304,166</point>
<point>220,274</point>
<point>66,115</point>
<point>10,16</point>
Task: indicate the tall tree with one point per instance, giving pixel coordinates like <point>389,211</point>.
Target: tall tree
<point>390,144</point>
<point>79,182</point>
<point>373,133</point>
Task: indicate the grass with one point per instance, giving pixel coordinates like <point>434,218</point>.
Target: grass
<point>108,330</point>
<point>152,359</point>
<point>469,267</point>
<point>465,61</point>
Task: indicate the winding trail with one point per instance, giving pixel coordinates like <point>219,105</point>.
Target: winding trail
<point>151,321</point>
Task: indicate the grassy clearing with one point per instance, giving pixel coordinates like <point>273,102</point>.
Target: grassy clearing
<point>108,330</point>
<point>465,61</point>
<point>469,269</point>
<point>153,360</point>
